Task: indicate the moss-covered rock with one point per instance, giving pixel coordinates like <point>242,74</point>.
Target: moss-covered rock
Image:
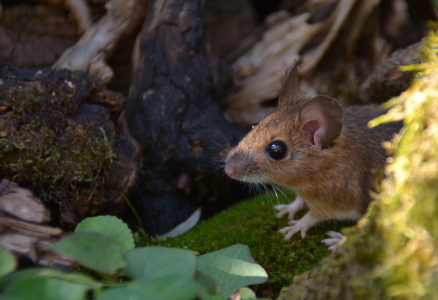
<point>392,253</point>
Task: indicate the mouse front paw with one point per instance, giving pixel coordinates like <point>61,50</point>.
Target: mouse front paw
<point>301,225</point>
<point>291,208</point>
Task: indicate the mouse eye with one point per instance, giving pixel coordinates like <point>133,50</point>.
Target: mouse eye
<point>253,125</point>
<point>277,150</point>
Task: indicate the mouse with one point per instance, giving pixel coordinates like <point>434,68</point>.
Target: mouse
<point>322,151</point>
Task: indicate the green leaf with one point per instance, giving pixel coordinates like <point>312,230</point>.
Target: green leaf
<point>168,288</point>
<point>150,263</point>
<point>246,294</point>
<point>8,262</point>
<point>44,288</point>
<point>207,282</point>
<point>9,279</point>
<point>80,278</point>
<point>232,267</point>
<point>217,297</point>
<point>122,293</point>
<point>111,227</point>
<point>92,250</point>
<point>46,272</point>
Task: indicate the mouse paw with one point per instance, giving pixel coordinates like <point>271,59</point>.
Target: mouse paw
<point>291,208</point>
<point>299,226</point>
<point>335,237</point>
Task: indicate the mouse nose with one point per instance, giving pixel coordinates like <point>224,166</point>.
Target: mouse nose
<point>238,166</point>
<point>231,170</point>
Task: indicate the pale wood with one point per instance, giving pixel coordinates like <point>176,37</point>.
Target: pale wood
<point>33,229</point>
<point>21,203</point>
<point>261,70</point>
<point>97,43</point>
<point>21,231</point>
<point>338,19</point>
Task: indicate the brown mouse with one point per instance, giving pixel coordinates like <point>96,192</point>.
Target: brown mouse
<point>323,152</point>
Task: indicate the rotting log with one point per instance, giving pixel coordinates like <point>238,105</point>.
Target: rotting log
<point>177,131</point>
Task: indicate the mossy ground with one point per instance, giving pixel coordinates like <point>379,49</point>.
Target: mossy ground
<point>253,223</point>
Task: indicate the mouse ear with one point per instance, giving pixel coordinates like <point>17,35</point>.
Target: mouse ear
<point>290,91</point>
<point>321,118</point>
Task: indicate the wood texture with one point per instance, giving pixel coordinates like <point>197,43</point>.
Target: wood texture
<point>22,230</point>
<point>172,114</point>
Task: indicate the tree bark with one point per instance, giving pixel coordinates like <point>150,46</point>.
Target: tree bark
<point>173,116</point>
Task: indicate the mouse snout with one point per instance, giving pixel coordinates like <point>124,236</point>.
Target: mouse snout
<point>237,167</point>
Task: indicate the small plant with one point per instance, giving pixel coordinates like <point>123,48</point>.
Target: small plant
<point>105,245</point>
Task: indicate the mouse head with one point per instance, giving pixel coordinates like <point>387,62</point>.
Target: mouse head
<point>288,145</point>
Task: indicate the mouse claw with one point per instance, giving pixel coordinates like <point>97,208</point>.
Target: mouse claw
<point>330,242</point>
<point>335,238</point>
<point>289,231</point>
<point>332,248</point>
<point>335,234</point>
<point>301,225</point>
<point>282,208</point>
<point>291,208</point>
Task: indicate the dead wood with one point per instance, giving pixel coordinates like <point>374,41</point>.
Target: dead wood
<point>261,70</point>
<point>388,80</point>
<point>97,43</point>
<point>21,203</point>
<point>171,114</point>
<point>21,228</point>
<point>81,13</point>
<point>337,44</point>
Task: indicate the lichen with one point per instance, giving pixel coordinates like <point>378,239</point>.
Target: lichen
<point>253,223</point>
<point>392,253</point>
<point>44,147</point>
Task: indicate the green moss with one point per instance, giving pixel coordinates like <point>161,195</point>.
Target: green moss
<point>393,254</point>
<point>253,223</point>
<point>43,147</point>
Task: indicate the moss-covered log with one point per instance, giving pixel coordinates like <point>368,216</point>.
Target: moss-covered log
<point>57,137</point>
<point>392,253</point>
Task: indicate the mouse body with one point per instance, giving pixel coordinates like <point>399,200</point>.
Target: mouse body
<point>323,152</point>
